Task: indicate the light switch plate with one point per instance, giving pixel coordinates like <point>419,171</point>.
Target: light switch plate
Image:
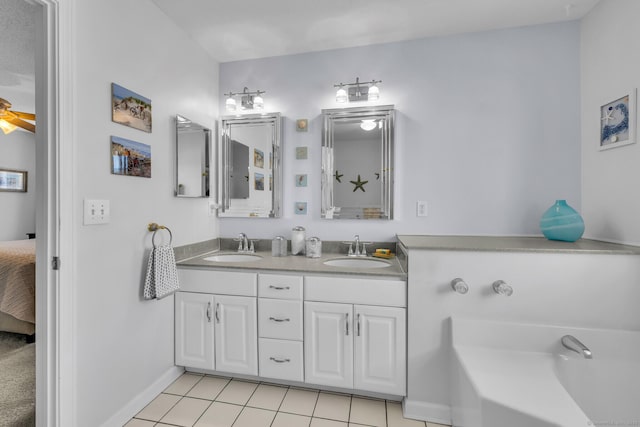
<point>422,208</point>
<point>96,211</point>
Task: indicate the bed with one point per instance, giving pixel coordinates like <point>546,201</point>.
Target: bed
<point>18,286</point>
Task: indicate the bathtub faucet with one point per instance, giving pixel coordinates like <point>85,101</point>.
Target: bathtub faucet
<point>574,344</point>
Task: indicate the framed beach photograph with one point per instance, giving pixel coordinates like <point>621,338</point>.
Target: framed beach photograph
<point>259,182</point>
<point>130,158</point>
<point>301,180</point>
<point>130,109</point>
<point>618,121</point>
<point>301,153</point>
<point>258,158</point>
<point>13,180</point>
<point>301,208</point>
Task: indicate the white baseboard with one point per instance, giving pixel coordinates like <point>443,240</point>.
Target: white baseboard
<point>127,412</point>
<point>432,412</point>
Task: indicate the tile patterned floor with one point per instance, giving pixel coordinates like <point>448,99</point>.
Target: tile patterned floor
<point>195,400</point>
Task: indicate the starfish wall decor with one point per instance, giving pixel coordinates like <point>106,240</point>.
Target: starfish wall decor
<point>359,184</point>
<point>338,176</point>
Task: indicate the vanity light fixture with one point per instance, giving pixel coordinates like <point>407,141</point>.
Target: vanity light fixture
<point>368,124</point>
<point>248,100</point>
<point>358,91</point>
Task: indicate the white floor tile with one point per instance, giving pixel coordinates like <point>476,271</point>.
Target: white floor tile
<point>300,402</point>
<point>219,414</point>
<point>208,388</point>
<point>290,420</point>
<point>182,385</point>
<point>158,407</point>
<point>368,412</point>
<point>267,397</point>
<point>333,406</point>
<point>237,392</point>
<point>396,419</point>
<point>186,412</point>
<point>320,422</point>
<point>254,417</point>
<point>140,423</point>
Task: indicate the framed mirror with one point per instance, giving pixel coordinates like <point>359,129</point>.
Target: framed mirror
<point>250,170</point>
<point>193,148</point>
<point>357,163</point>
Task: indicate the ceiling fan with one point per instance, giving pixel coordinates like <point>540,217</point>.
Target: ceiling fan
<point>11,120</point>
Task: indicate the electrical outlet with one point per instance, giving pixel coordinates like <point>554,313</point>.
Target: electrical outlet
<point>96,212</point>
<point>421,208</point>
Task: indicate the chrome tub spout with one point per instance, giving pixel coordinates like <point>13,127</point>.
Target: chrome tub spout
<point>572,343</point>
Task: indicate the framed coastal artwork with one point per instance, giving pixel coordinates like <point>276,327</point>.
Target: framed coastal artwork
<point>130,109</point>
<point>618,121</point>
<point>13,180</point>
<point>258,158</point>
<point>130,158</point>
<point>259,182</point>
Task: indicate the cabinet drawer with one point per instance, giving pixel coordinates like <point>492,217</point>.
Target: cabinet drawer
<point>218,282</point>
<point>280,286</point>
<point>280,319</point>
<point>281,359</point>
<point>368,291</point>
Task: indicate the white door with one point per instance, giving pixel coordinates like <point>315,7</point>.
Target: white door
<point>236,334</point>
<point>328,344</point>
<point>194,330</point>
<point>380,349</point>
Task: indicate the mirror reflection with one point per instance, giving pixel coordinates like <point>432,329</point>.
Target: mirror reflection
<point>193,144</point>
<point>251,183</point>
<point>357,161</point>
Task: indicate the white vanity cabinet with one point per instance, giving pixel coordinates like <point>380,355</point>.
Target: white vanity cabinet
<point>215,330</point>
<point>280,326</point>
<point>352,345</point>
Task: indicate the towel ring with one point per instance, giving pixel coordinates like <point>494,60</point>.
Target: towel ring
<point>155,227</point>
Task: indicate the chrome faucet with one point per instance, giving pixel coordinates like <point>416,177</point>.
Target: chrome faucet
<point>357,242</point>
<point>572,343</point>
<point>243,246</point>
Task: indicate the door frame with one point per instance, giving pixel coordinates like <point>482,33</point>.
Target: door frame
<point>55,311</point>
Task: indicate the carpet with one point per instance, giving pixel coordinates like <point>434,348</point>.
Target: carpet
<point>17,381</point>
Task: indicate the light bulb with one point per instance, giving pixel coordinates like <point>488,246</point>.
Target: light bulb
<point>368,124</point>
<point>7,127</point>
<point>231,104</point>
<point>374,93</point>
<point>258,102</point>
<point>341,95</point>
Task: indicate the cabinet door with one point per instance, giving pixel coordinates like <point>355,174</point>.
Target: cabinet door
<point>328,344</point>
<point>194,330</point>
<point>236,335</point>
<point>380,349</point>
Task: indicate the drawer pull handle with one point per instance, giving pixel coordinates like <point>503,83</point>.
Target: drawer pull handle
<point>209,312</point>
<point>280,360</point>
<point>347,323</point>
<point>276,319</point>
<point>279,288</point>
<point>217,313</point>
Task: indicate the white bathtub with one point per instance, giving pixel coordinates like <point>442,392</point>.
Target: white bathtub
<point>519,375</point>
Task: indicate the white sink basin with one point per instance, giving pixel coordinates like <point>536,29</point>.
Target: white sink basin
<point>233,258</point>
<point>357,263</point>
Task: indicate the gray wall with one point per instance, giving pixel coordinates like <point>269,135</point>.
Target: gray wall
<point>487,129</point>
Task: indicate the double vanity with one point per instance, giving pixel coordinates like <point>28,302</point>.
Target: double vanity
<point>334,322</point>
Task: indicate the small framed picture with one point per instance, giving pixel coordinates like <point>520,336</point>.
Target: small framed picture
<point>130,109</point>
<point>302,125</point>
<point>259,182</point>
<point>258,158</point>
<point>130,158</point>
<point>301,153</point>
<point>618,121</point>
<point>301,180</point>
<point>301,208</point>
<point>13,180</point>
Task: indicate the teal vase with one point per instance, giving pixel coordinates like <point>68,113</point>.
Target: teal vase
<point>562,222</point>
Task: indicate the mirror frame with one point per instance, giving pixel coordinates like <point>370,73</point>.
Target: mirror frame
<point>206,185</point>
<point>335,115</point>
<point>226,123</point>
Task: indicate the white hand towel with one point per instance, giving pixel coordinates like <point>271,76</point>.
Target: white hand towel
<point>162,274</point>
